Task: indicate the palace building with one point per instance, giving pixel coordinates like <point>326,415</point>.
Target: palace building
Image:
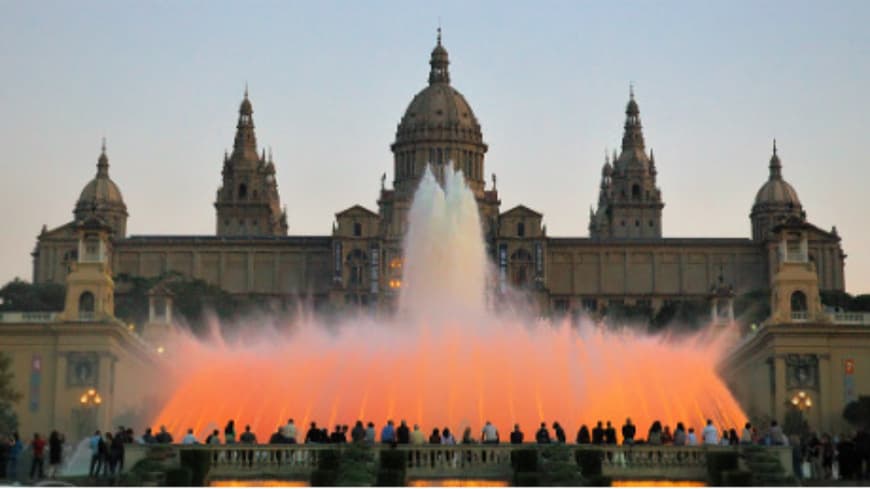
<point>623,260</point>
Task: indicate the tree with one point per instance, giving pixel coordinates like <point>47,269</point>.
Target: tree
<point>860,303</point>
<point>21,296</point>
<point>858,412</point>
<point>8,396</point>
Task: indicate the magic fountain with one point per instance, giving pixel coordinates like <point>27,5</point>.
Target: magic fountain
<point>450,357</point>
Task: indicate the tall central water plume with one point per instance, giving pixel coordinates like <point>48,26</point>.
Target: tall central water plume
<point>445,263</point>
<point>444,360</point>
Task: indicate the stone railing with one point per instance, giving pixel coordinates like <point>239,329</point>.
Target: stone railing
<point>800,316</point>
<point>27,317</point>
<point>468,461</point>
<point>851,318</point>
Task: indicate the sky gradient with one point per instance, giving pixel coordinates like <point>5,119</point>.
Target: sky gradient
<point>329,81</point>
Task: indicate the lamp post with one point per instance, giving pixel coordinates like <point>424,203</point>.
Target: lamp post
<point>802,401</point>
<point>89,402</point>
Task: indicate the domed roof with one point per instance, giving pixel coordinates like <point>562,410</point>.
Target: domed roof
<point>101,190</point>
<point>439,107</point>
<point>776,191</point>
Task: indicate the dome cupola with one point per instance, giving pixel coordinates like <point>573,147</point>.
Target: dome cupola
<point>438,127</point>
<point>101,198</point>
<point>775,201</point>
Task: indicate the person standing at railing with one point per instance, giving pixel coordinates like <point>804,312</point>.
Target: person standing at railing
<point>583,435</point>
<point>654,436</point>
<point>628,432</point>
<point>189,438</point>
<point>680,435</point>
<point>667,437</point>
<point>370,434</point>
<point>388,434</point>
<point>403,434</point>
<point>417,437</point>
<point>516,435</point>
<point>248,438</point>
<point>691,439</point>
<point>542,437</point>
<point>489,433</point>
<point>358,433</point>
<point>447,437</point>
<point>560,433</point>
<point>164,436</point>
<point>598,434</point>
<point>435,437</point>
<point>467,439</point>
<point>289,431</point>
<point>313,435</point>
<point>710,435</point>
<point>610,434</point>
<point>746,436</point>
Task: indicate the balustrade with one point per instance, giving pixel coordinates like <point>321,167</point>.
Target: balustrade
<point>683,462</point>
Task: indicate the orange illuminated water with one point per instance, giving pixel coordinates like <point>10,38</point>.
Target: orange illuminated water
<point>446,359</point>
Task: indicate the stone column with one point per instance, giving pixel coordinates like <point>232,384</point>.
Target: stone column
<point>779,395</point>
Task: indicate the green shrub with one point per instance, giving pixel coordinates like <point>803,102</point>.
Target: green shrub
<point>589,462</point>
<point>328,459</point>
<point>393,460</point>
<point>322,478</point>
<point>526,479</point>
<point>524,460</point>
<point>179,477</point>
<point>718,462</point>
<point>598,481</point>
<point>737,478</point>
<point>199,463</point>
<point>390,478</point>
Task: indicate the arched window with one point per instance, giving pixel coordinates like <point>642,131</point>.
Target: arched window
<point>521,267</point>
<point>521,229</point>
<point>635,192</point>
<point>243,191</point>
<point>356,262</point>
<point>86,305</point>
<point>798,302</point>
<point>357,229</point>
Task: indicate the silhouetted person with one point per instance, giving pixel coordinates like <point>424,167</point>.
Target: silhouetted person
<point>358,434</point>
<point>654,436</point>
<point>447,437</point>
<point>230,432</point>
<point>403,433</point>
<point>164,436</point>
<point>324,435</point>
<point>37,465</point>
<point>313,435</point>
<point>388,434</point>
<point>628,432</point>
<point>598,434</point>
<point>96,461</point>
<point>583,435</point>
<point>542,436</point>
<point>435,437</point>
<point>560,433</point>
<point>55,453</point>
<point>516,435</point>
<point>116,454</point>
<point>248,438</point>
<point>610,434</point>
<point>680,435</point>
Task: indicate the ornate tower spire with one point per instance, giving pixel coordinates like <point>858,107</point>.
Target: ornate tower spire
<point>775,164</point>
<point>633,136</point>
<point>245,145</point>
<point>103,162</point>
<point>438,62</point>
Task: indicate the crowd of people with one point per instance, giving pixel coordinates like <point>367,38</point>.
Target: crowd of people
<point>814,456</point>
<point>12,448</point>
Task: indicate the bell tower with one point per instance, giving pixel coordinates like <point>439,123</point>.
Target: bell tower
<point>90,290</point>
<point>629,203</point>
<point>248,203</point>
<point>795,283</point>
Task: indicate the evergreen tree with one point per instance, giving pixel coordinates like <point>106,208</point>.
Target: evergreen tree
<point>8,396</point>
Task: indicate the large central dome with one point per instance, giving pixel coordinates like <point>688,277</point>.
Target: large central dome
<point>438,128</point>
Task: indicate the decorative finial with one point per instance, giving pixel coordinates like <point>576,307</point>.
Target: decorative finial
<point>774,146</point>
<point>606,155</point>
<point>270,154</point>
<point>652,157</point>
<point>439,30</point>
<point>494,182</point>
<point>246,89</point>
<point>631,90</point>
<point>104,145</point>
<point>383,181</point>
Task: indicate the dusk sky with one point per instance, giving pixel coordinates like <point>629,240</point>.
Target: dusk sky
<point>716,83</point>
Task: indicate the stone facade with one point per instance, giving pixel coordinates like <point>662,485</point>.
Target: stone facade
<point>624,259</point>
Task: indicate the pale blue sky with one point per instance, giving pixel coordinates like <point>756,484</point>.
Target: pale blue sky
<point>716,82</point>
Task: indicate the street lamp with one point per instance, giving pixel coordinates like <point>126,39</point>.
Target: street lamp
<point>802,401</point>
<point>91,398</point>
